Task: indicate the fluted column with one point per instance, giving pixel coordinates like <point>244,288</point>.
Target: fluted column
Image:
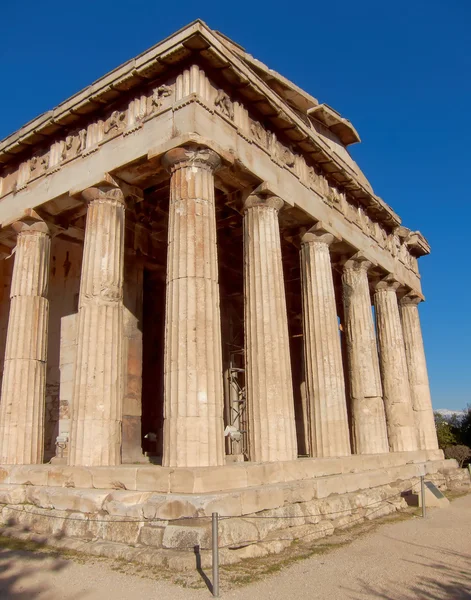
<point>418,375</point>
<point>397,398</point>
<point>193,385</point>
<point>97,400</point>
<point>22,403</point>
<point>270,404</point>
<point>369,433</point>
<point>328,420</point>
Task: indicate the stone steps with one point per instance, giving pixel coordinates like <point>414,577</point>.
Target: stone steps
<point>254,521</point>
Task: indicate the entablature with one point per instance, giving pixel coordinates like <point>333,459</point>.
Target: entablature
<point>247,161</point>
<point>197,42</point>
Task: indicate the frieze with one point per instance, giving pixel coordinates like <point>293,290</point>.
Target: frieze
<point>74,144</point>
<point>151,102</point>
<point>38,165</point>
<point>116,123</point>
<point>85,140</point>
<point>157,99</point>
<point>224,104</point>
<point>309,175</point>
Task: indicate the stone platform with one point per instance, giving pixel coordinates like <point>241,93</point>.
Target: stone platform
<point>159,515</point>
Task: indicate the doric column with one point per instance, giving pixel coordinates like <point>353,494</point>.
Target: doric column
<point>97,401</point>
<point>418,376</point>
<point>270,404</point>
<point>22,403</point>
<point>369,433</point>
<point>397,398</point>
<point>328,421</point>
<point>193,386</point>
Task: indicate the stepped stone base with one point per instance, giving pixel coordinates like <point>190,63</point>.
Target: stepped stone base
<point>159,516</point>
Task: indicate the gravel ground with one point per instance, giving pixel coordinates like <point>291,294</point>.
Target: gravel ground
<point>405,560</point>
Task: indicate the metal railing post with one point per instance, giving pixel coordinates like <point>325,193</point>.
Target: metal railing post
<point>215,541</point>
<point>422,494</point>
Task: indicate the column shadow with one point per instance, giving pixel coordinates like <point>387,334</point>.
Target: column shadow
<point>199,568</point>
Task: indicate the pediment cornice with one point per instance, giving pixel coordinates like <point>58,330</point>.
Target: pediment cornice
<point>210,48</point>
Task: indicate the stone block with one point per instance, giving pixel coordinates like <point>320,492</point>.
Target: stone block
<point>122,477</point>
<point>153,479</point>
<point>377,478</point>
<point>266,525</point>
<point>458,479</point>
<point>131,445</point>
<point>116,531</point>
<point>12,494</point>
<point>172,507</point>
<point>325,486</point>
<point>323,467</point>
<point>257,499</point>
<point>215,479</point>
<point>263,474</point>
<point>299,491</point>
<point>237,532</point>
<point>4,474</point>
<point>188,535</point>
<point>225,504</point>
<point>64,476</point>
<point>334,507</point>
<point>356,481</point>
<point>68,330</point>
<point>151,536</point>
<point>432,455</point>
<point>67,372</point>
<point>290,515</point>
<point>357,463</point>
<point>67,356</point>
<point>66,499</point>
<point>29,475</point>
<point>311,511</point>
<point>181,481</point>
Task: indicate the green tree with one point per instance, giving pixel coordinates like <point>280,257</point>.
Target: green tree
<point>465,427</point>
<point>446,436</point>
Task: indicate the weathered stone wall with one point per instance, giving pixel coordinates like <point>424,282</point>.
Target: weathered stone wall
<point>165,528</point>
<point>64,285</point>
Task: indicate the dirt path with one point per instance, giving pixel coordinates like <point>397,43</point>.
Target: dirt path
<point>406,560</point>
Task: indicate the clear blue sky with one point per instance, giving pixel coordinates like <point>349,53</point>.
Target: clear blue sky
<point>400,71</point>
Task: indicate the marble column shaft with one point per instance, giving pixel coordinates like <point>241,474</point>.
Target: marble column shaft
<point>193,394</point>
<point>402,433</point>
<point>418,375</point>
<point>22,403</point>
<point>97,402</point>
<point>270,404</point>
<point>369,433</point>
<point>328,420</point>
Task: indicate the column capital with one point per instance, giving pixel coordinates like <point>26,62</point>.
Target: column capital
<point>30,223</point>
<point>387,284</point>
<point>358,262</point>
<point>318,234</point>
<point>103,193</point>
<point>191,156</point>
<point>412,298</point>
<point>263,201</point>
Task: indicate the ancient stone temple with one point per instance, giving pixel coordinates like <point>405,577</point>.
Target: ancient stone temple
<point>190,261</point>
